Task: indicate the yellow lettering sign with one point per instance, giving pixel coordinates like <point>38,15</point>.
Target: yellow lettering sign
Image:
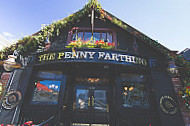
<point>60,55</point>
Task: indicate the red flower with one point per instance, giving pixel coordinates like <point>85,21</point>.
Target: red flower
<point>110,44</point>
<point>97,42</point>
<point>101,41</point>
<point>28,123</point>
<point>188,87</point>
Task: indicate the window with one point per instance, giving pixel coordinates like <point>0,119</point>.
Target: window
<point>86,35</point>
<point>47,87</point>
<point>134,91</point>
<point>105,34</point>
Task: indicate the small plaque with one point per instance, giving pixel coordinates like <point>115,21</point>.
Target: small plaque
<point>11,99</point>
<point>168,105</point>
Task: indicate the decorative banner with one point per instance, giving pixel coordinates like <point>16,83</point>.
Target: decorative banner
<point>11,99</point>
<point>168,105</point>
<point>97,56</point>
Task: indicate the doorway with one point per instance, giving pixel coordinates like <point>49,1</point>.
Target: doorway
<point>90,102</point>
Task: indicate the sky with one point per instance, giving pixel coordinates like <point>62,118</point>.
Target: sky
<point>167,21</point>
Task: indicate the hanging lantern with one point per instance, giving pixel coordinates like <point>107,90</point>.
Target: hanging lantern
<point>172,69</point>
<point>10,63</point>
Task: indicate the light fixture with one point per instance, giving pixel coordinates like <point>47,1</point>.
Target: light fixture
<point>131,88</point>
<point>126,88</point>
<point>172,69</point>
<point>10,63</point>
<point>1,88</point>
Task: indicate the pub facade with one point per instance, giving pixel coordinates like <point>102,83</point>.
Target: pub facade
<point>95,70</point>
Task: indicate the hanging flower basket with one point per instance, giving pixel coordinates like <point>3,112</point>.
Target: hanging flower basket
<point>185,95</point>
<point>79,43</point>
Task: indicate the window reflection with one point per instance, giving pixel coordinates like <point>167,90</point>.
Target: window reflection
<point>82,99</point>
<point>87,35</point>
<point>100,100</point>
<point>47,87</point>
<point>96,36</point>
<point>134,92</point>
<point>107,37</point>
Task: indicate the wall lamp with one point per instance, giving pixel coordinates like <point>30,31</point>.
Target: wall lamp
<point>172,69</point>
<point>10,63</point>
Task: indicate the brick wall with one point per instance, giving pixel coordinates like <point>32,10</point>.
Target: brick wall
<point>185,111</point>
<point>4,80</point>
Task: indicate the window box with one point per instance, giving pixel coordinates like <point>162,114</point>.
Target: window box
<point>82,38</point>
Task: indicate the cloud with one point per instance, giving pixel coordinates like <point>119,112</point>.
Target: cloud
<point>7,34</point>
<point>3,42</point>
<point>11,38</point>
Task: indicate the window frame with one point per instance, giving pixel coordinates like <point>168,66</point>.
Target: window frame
<point>84,29</point>
<point>146,87</point>
<point>61,90</point>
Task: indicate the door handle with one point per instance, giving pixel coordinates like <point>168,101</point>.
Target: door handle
<point>92,101</point>
<point>89,101</point>
<point>107,108</point>
<point>74,105</point>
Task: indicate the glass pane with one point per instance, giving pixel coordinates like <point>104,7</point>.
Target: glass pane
<point>82,99</point>
<point>49,75</point>
<point>104,36</point>
<point>133,92</point>
<point>96,36</point>
<point>80,35</point>
<point>46,91</point>
<point>90,81</point>
<point>87,36</point>
<point>109,37</point>
<point>100,100</point>
<point>133,78</point>
<point>74,37</point>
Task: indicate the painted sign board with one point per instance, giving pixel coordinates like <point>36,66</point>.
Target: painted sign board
<point>96,56</point>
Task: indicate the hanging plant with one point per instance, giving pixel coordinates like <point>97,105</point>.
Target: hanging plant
<point>92,43</point>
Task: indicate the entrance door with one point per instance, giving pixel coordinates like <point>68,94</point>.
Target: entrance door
<point>90,105</point>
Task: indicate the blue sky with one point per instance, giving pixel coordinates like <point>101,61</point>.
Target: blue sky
<point>167,21</point>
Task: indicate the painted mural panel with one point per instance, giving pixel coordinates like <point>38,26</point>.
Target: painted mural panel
<point>47,87</point>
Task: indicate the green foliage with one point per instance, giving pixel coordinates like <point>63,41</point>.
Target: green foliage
<point>79,43</point>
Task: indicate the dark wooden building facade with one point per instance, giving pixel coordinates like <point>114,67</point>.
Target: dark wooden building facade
<point>117,78</point>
